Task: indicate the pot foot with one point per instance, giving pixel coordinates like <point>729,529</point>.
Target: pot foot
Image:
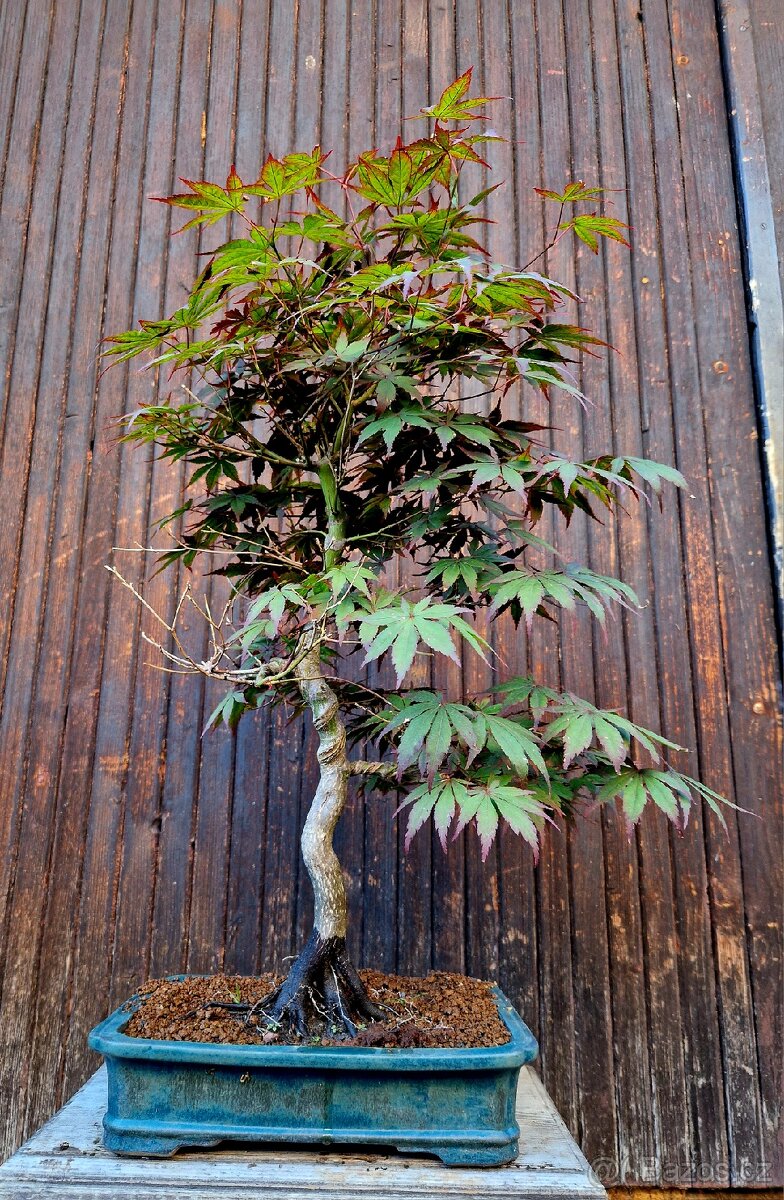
<point>485,1156</point>
<point>143,1145</point>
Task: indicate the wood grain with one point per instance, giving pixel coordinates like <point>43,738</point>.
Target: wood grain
<point>650,967</point>
<point>65,1159</point>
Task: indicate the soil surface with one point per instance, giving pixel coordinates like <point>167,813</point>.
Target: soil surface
<point>442,1010</point>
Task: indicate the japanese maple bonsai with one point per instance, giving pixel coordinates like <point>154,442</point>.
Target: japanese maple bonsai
<point>321,420</point>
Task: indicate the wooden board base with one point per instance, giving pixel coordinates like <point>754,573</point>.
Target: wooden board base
<point>66,1159</point>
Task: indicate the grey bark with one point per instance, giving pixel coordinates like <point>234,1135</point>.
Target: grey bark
<point>326,876</point>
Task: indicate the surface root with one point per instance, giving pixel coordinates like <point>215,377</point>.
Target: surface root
<point>322,996</point>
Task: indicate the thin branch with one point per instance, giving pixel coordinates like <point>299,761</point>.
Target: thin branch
<point>361,767</point>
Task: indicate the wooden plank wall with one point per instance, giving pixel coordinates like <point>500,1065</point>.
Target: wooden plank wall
<point>753,63</point>
<point>650,967</point>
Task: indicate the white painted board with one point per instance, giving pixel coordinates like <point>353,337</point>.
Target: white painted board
<point>66,1160</point>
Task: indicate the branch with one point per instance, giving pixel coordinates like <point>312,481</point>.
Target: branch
<point>266,673</point>
<point>555,238</point>
<point>360,767</point>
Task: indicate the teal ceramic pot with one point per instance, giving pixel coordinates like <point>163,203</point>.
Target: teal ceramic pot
<point>456,1104</point>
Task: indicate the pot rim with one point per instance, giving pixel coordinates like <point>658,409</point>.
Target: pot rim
<point>108,1039</point>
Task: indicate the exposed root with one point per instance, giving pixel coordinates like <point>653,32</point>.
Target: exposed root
<point>322,995</point>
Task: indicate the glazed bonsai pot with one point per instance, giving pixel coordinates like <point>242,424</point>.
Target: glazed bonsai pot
<point>456,1104</point>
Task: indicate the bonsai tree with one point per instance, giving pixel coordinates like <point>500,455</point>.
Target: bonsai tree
<point>321,421</point>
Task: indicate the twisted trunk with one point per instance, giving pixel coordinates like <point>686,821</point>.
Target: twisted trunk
<point>329,892</point>
<point>322,992</point>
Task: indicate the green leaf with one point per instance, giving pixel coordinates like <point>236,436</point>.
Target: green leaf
<point>432,724</point>
<point>517,744</point>
<point>273,601</point>
<point>439,739</point>
<point>211,201</point>
<point>413,738</point>
<point>652,472</point>
<point>572,193</point>
<point>437,637</point>
<point>611,740</point>
<point>486,825</point>
<point>399,626</point>
<point>404,650</point>
<point>244,253</point>
<point>228,711</point>
<point>670,791</point>
<point>523,586</point>
<point>124,346</point>
<point>399,173</point>
<point>284,177</point>
<point>577,736</point>
<point>381,643</point>
<point>453,105</point>
<point>634,798</point>
<point>589,227</point>
<point>386,390</point>
<point>611,730</point>
<point>471,729</point>
<point>349,352</point>
<point>475,640</point>
<point>422,800</point>
<point>661,794</point>
<point>443,813</point>
<point>391,424</point>
<point>518,808</point>
<point>348,577</point>
<point>523,810</point>
<point>529,588</point>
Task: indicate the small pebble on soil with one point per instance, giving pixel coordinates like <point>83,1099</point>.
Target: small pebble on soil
<point>442,1010</point>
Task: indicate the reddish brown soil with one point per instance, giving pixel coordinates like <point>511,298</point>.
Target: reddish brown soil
<point>441,1010</point>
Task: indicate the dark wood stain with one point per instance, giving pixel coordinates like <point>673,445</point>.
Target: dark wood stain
<point>650,967</point>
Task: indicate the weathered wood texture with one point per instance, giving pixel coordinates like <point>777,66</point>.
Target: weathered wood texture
<point>754,75</point>
<point>66,1161</point>
<point>649,968</point>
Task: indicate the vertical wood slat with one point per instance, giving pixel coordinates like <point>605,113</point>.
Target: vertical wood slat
<point>247,858</point>
<point>556,982</point>
<point>691,985</point>
<point>104,41</point>
<point>212,822</point>
<point>382,884</point>
<point>448,898</point>
<point>481,880</point>
<point>27,223</point>
<point>171,905</point>
<point>754,70</point>
<point>180,785</point>
<point>11,40</point>
<point>743,572</point>
<point>95,736</point>
<point>129,843</point>
<point>22,105</point>
<point>282,871</point>
<point>415,884</point>
<point>148,702</point>
<point>582,646</point>
<point>519,949</point>
<point>731,989</point>
<point>753,63</point>
<point>31,724</point>
<point>643,960</point>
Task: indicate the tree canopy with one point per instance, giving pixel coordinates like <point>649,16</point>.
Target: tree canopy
<point>319,370</point>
